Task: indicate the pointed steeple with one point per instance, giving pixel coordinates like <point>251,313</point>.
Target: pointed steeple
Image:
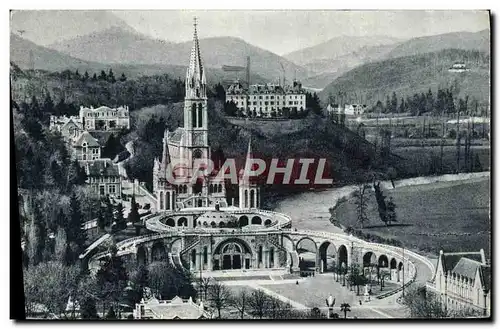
<point>195,75</point>
<point>248,168</point>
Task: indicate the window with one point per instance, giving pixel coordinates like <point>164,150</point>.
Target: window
<point>101,190</point>
<point>272,103</point>
<point>112,189</point>
<point>267,97</point>
<point>272,97</point>
<point>260,97</point>
<point>95,151</point>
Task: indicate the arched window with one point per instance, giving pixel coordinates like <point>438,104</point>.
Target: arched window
<point>210,189</point>
<point>200,115</point>
<point>193,115</point>
<point>161,200</point>
<point>167,200</point>
<point>252,199</point>
<point>246,199</point>
<point>220,188</point>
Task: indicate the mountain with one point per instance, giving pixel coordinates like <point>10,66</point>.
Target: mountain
<point>117,45</point>
<point>336,48</point>
<point>459,40</point>
<point>52,60</point>
<point>39,25</point>
<point>414,74</point>
<point>49,59</point>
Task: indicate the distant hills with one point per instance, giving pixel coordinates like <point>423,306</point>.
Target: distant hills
<point>118,45</point>
<point>48,59</point>
<point>336,48</point>
<point>459,40</point>
<point>414,74</point>
<point>332,59</point>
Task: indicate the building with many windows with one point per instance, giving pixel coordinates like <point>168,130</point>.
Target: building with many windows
<point>105,118</point>
<point>267,100</point>
<point>175,309</point>
<point>104,177</point>
<point>462,280</point>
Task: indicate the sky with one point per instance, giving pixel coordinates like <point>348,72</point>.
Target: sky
<point>278,31</point>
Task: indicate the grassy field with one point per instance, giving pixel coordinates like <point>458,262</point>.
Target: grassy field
<point>453,216</point>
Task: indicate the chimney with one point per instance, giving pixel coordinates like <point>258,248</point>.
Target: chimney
<point>483,257</point>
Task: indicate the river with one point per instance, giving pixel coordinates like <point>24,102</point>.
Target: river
<point>309,210</point>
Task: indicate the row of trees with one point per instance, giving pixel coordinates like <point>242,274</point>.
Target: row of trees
<point>252,303</point>
<point>442,104</point>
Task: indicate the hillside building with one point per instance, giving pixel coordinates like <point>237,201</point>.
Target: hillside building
<point>104,177</point>
<point>352,110</point>
<point>105,118</point>
<point>267,100</point>
<point>462,280</point>
<point>458,67</point>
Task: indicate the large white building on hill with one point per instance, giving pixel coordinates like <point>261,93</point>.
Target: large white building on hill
<point>267,100</point>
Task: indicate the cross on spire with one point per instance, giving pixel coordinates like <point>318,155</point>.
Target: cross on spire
<point>195,23</point>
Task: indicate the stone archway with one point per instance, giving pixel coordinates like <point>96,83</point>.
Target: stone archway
<point>400,272</point>
<point>393,268</point>
<point>243,221</point>
<point>170,222</point>
<point>158,252</point>
<point>370,265</point>
<point>232,254</point>
<point>267,222</point>
<point>342,257</point>
<point>142,255</point>
<point>307,251</point>
<point>256,220</point>
<point>182,221</point>
<point>327,257</point>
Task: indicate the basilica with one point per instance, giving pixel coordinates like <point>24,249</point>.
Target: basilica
<point>187,147</point>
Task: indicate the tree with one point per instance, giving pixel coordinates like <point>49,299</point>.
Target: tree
<point>230,108</point>
<point>345,307</point>
<point>394,103</point>
<point>259,303</point>
<point>88,309</point>
<point>402,106</point>
<point>361,204</point>
<point>333,210</point>
<point>391,212</point>
<point>85,76</point>
<point>205,284</point>
<point>94,77</point>
<point>103,76</point>
<point>111,76</point>
<point>423,305</point>
<point>167,282</point>
<point>123,78</point>
<point>74,231</point>
<point>220,296</point>
<point>429,102</point>
<point>133,215</point>
<point>108,212</point>
<point>111,315</point>
<point>382,207</point>
<point>101,218</point>
<point>112,279</point>
<point>121,224</point>
<point>48,104</point>
<point>50,284</point>
<point>60,248</point>
<point>76,175</point>
<point>241,302</point>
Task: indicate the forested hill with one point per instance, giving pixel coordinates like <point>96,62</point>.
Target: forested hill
<point>415,74</point>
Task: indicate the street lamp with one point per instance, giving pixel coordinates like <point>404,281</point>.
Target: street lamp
<point>330,302</point>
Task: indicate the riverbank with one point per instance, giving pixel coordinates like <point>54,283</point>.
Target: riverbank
<point>309,210</point>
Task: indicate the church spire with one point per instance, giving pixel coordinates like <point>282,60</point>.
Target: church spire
<point>195,75</point>
<point>248,168</point>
